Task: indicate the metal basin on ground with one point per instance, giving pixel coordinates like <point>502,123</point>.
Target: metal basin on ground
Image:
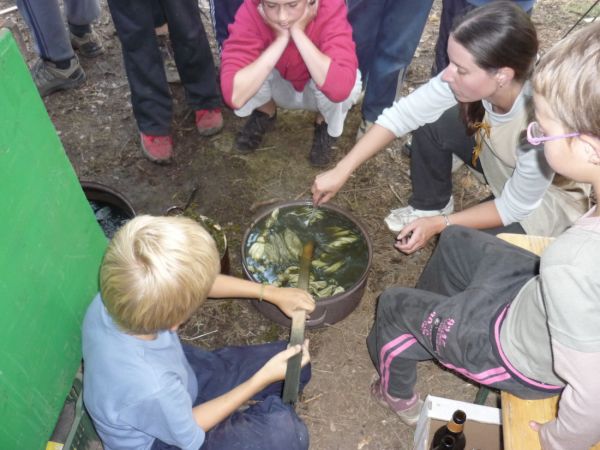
<point>111,208</point>
<point>330,308</point>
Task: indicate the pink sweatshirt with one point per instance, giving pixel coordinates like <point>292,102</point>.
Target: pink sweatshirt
<point>330,31</point>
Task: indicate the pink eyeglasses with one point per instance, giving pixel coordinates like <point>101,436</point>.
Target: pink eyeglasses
<point>535,135</point>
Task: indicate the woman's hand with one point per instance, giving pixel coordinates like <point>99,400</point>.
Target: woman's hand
<point>310,12</point>
<point>290,299</point>
<point>275,368</point>
<point>327,184</point>
<point>415,235</point>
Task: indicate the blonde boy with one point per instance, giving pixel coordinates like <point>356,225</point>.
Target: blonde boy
<point>143,388</point>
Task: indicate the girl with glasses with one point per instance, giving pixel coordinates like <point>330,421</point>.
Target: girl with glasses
<point>498,314</point>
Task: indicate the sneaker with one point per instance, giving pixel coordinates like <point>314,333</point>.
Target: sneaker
<point>251,135</point>
<point>158,149</point>
<point>48,78</point>
<point>365,125</point>
<point>166,51</point>
<point>399,218</point>
<point>89,45</point>
<point>209,121</point>
<point>407,410</point>
<point>320,153</point>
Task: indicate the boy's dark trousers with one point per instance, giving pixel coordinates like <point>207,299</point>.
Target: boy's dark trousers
<point>453,313</point>
<point>266,425</point>
<point>151,100</point>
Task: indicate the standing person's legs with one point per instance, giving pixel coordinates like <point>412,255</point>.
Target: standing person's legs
<point>192,53</point>
<point>365,17</point>
<point>195,64</point>
<point>58,68</point>
<point>80,15</point>
<point>397,37</point>
<point>222,14</point>
<point>451,9</point>
<point>150,95</point>
<point>47,25</point>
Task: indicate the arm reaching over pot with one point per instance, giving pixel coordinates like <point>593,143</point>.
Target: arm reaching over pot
<point>286,299</point>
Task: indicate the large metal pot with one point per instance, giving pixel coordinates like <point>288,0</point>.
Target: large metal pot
<point>329,309</point>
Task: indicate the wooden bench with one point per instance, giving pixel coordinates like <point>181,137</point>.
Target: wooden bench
<point>516,412</point>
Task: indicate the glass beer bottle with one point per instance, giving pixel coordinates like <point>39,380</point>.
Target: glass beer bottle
<point>453,428</point>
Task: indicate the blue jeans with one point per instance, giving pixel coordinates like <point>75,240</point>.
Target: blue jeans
<point>386,33</point>
<point>47,25</point>
<point>267,425</point>
<point>222,14</point>
<point>451,11</point>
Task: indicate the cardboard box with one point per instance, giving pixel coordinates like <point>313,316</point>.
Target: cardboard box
<point>483,429</point>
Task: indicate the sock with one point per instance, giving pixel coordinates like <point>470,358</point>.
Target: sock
<point>80,30</point>
<point>62,64</point>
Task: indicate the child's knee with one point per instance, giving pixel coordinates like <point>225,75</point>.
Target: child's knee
<point>392,299</point>
<point>286,428</point>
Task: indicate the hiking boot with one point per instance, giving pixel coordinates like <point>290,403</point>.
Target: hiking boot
<point>158,149</point>
<point>399,218</point>
<point>48,78</point>
<point>89,45</point>
<point>166,51</point>
<point>407,410</point>
<point>365,125</point>
<point>251,135</point>
<point>209,121</point>
<point>320,153</point>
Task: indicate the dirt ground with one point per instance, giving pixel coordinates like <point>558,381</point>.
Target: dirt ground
<point>96,126</point>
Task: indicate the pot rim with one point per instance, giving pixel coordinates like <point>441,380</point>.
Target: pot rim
<point>358,284</point>
<point>94,187</point>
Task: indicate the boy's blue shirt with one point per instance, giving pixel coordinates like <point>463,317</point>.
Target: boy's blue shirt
<point>137,390</point>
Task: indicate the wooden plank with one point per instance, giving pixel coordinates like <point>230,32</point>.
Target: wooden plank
<point>516,415</point>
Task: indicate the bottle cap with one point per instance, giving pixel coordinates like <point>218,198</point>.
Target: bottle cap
<point>459,417</point>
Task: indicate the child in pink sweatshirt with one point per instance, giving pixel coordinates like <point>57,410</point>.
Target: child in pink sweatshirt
<point>292,54</point>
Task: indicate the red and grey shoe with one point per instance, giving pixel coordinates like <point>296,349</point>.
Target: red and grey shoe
<point>158,149</point>
<point>209,121</point>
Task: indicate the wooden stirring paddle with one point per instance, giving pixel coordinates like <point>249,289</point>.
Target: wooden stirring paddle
<point>292,373</point>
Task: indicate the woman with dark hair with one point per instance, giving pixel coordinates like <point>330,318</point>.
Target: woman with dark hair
<point>477,108</point>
